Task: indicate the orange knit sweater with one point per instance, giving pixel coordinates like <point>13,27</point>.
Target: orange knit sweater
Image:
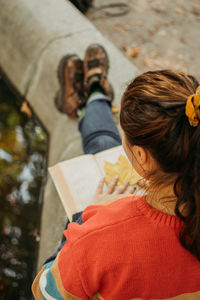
<point>125,250</point>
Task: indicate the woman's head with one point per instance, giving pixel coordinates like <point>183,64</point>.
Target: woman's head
<point>153,117</point>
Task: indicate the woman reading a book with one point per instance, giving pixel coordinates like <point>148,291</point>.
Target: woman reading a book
<point>132,247</point>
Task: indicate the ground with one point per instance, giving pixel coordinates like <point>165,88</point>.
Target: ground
<point>155,34</point>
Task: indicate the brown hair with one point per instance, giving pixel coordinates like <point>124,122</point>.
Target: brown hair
<point>153,116</point>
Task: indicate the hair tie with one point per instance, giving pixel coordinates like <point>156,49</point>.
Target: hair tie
<point>192,109</point>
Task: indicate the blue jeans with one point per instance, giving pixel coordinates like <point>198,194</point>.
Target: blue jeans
<point>98,129</point>
<point>98,132</point>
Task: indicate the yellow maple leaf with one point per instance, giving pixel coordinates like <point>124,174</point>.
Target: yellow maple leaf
<point>123,169</point>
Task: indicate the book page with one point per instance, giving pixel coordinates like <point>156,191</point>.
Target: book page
<point>81,176</point>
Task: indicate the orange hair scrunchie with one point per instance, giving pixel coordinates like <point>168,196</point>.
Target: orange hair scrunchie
<point>192,109</point>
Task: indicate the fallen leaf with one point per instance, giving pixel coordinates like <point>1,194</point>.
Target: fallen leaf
<point>131,51</point>
<point>147,62</point>
<point>150,31</point>
<point>115,109</point>
<point>153,53</point>
<point>158,25</point>
<point>25,108</point>
<point>181,11</point>
<point>121,28</point>
<point>182,40</point>
<point>178,10</point>
<point>140,23</point>
<point>127,27</point>
<point>118,28</point>
<point>115,113</point>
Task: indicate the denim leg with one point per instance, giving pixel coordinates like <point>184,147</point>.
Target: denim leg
<point>98,129</point>
<point>99,132</point>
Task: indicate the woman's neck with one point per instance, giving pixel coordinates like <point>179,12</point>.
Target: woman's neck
<point>162,198</point>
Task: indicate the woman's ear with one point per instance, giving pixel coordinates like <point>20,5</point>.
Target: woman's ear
<point>141,155</point>
<point>141,160</point>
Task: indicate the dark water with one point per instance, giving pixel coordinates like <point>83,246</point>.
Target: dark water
<point>23,157</point>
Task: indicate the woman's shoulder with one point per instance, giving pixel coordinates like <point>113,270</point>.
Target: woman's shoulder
<point>114,207</point>
<point>108,217</point>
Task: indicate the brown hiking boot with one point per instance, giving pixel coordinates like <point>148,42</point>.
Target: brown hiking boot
<point>96,66</point>
<point>70,76</point>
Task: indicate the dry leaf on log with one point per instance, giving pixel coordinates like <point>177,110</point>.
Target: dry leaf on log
<point>26,109</point>
<point>131,51</point>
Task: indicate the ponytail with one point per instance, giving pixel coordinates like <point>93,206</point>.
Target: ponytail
<point>187,190</point>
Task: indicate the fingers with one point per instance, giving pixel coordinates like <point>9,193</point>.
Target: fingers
<point>122,188</point>
<point>132,190</point>
<point>143,183</point>
<point>112,185</point>
<point>100,186</point>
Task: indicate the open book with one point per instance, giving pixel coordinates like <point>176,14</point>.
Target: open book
<point>76,179</point>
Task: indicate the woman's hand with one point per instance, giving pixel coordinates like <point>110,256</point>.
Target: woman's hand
<point>143,183</point>
<point>110,190</point>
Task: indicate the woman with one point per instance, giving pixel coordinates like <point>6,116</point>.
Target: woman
<point>130,247</point>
